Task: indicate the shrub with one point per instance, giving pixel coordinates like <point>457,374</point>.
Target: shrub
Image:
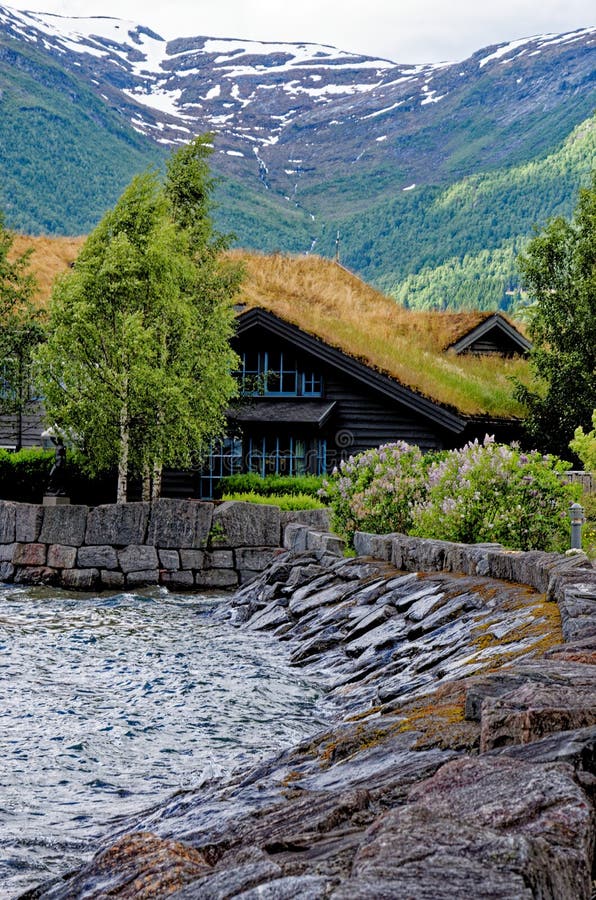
<point>494,492</point>
<point>584,444</point>
<point>271,484</point>
<point>24,478</point>
<point>24,474</point>
<point>588,501</point>
<point>284,501</point>
<point>376,490</point>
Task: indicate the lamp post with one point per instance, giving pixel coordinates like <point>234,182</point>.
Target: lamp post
<point>577,518</point>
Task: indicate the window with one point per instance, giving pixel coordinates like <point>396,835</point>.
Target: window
<point>277,374</point>
<point>268,455</point>
<point>224,459</point>
<point>273,455</point>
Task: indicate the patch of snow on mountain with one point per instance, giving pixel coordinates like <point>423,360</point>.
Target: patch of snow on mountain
<point>235,93</point>
<point>503,50</point>
<point>100,36</point>
<point>164,101</point>
<point>382,112</point>
<point>548,40</point>
<point>430,97</point>
<point>294,87</point>
<point>232,49</point>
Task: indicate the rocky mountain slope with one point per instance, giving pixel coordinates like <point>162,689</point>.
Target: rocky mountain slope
<point>308,138</point>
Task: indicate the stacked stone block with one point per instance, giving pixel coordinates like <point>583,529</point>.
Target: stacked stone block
<point>182,544</point>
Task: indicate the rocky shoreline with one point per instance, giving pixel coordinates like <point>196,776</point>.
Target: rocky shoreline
<point>461,761</point>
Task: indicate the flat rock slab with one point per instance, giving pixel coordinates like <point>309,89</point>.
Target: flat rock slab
<point>238,524</point>
<point>412,853</point>
<point>7,521</point>
<point>231,881</point>
<point>381,763</point>
<point>293,887</point>
<point>139,865</point>
<point>64,525</point>
<point>578,748</point>
<point>29,519</point>
<point>439,614</point>
<point>179,524</point>
<point>533,710</point>
<point>117,524</point>
<point>270,617</point>
<point>369,620</point>
<point>137,558</point>
<point>427,603</point>
<point>302,603</point>
<point>543,805</point>
<point>389,632</point>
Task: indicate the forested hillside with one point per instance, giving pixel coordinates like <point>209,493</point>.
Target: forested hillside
<point>456,247</point>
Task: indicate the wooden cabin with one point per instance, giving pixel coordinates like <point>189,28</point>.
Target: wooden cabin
<point>305,405</point>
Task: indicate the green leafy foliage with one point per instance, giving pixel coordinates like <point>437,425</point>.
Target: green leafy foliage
<point>588,502</point>
<point>494,492</point>
<point>137,366</point>
<point>584,445</point>
<point>483,492</point>
<point>250,483</point>
<point>559,272</point>
<point>24,478</point>
<point>454,246</point>
<point>65,154</point>
<point>284,501</point>
<point>376,490</point>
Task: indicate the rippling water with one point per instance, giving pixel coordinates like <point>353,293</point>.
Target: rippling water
<point>108,703</point>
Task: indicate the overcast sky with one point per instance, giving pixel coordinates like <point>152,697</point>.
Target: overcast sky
<point>400,30</point>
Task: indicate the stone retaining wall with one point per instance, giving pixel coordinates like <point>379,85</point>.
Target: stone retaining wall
<point>568,580</point>
<point>178,543</point>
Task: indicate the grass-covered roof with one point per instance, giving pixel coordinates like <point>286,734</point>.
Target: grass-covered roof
<point>331,303</point>
<point>325,300</point>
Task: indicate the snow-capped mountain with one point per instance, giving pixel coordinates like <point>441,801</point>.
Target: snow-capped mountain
<point>313,100</point>
<point>218,82</point>
<point>307,137</point>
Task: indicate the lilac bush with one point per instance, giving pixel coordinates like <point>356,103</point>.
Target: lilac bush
<point>376,490</point>
<point>483,492</point>
<point>495,492</point>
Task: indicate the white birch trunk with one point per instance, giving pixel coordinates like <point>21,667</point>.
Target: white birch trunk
<point>147,493</point>
<point>156,481</point>
<point>122,490</point>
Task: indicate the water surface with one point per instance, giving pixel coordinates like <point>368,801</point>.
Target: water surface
<point>108,703</point>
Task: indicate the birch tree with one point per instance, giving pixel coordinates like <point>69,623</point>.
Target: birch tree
<point>136,370</point>
<point>21,330</point>
<point>559,272</point>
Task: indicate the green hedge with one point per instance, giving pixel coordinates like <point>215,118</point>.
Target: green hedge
<point>24,478</point>
<point>284,501</point>
<point>271,484</point>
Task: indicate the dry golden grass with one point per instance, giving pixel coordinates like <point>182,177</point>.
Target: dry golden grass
<point>326,300</point>
<point>51,256</point>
